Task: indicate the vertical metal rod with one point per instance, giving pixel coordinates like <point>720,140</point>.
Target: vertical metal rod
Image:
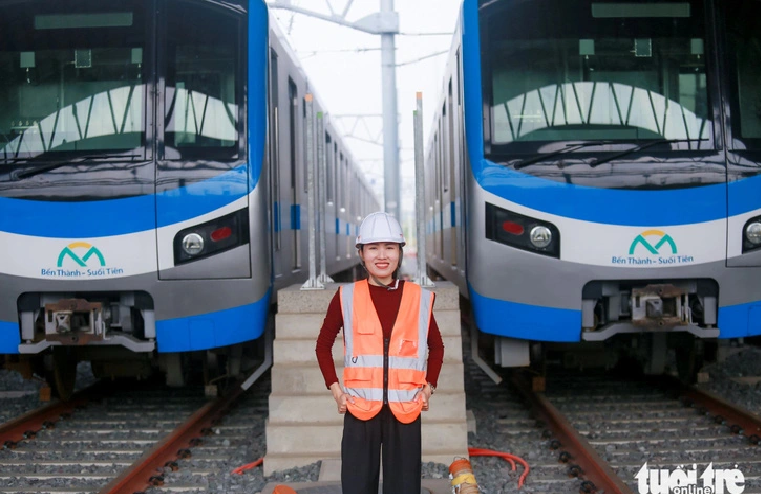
<point>311,283</point>
<point>417,118</point>
<point>390,118</point>
<point>321,193</point>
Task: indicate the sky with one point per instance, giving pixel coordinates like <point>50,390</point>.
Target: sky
<point>348,81</point>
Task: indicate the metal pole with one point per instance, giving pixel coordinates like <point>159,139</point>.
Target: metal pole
<point>417,118</point>
<point>323,278</point>
<point>311,283</point>
<point>390,118</point>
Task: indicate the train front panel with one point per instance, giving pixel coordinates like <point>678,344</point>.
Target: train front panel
<point>614,157</point>
<point>132,211</point>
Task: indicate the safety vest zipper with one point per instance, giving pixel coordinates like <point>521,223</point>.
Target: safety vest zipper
<point>386,342</point>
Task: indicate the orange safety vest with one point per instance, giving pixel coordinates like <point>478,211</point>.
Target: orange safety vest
<point>363,352</point>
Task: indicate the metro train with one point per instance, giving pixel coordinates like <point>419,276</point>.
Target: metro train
<point>593,179</point>
<point>152,177</point>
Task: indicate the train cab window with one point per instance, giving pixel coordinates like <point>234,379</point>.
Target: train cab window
<point>72,79</point>
<point>204,82</point>
<point>744,53</point>
<point>595,70</point>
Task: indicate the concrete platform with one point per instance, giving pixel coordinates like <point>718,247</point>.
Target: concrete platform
<point>429,486</point>
<point>303,425</point>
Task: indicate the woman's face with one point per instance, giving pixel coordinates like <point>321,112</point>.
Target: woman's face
<point>381,260</point>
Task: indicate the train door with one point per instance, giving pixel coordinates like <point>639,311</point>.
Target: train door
<point>274,140</point>
<point>440,185</point>
<point>293,104</point>
<point>436,196</point>
<point>336,165</point>
<point>451,185</point>
<point>463,168</point>
<point>329,200</point>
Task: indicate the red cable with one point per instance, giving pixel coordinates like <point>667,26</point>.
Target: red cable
<point>239,470</point>
<point>505,456</point>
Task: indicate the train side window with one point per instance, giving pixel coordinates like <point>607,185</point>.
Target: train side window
<point>204,81</point>
<point>328,168</point>
<point>436,166</point>
<point>339,182</point>
<point>445,142</point>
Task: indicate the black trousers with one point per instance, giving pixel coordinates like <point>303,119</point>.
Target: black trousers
<point>361,454</point>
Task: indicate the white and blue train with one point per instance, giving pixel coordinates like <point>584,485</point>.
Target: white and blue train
<point>152,176</point>
<point>594,175</point>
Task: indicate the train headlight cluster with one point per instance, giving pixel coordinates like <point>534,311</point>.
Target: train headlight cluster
<point>753,233</point>
<point>212,237</point>
<point>522,232</point>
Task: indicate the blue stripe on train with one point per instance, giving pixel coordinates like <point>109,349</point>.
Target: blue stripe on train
<point>515,320</point>
<point>213,330</point>
<point>10,337</point>
<point>125,215</point>
<point>511,319</point>
<point>295,217</point>
<point>615,207</point>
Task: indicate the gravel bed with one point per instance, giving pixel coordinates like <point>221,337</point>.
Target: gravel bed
<point>12,402</point>
<point>744,363</point>
<point>19,395</point>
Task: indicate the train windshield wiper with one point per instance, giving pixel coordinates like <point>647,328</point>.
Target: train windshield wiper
<point>639,148</point>
<point>565,149</point>
<point>52,166</point>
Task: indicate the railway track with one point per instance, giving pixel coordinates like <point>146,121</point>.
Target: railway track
<point>629,436</point>
<point>128,440</point>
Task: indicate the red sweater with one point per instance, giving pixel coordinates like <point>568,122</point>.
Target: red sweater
<point>387,303</point>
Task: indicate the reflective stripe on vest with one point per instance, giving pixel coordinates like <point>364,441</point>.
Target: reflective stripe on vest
<point>363,351</point>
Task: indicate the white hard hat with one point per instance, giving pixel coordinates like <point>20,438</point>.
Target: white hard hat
<point>380,227</point>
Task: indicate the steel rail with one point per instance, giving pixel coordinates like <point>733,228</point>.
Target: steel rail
<point>149,468</point>
<point>27,425</point>
<point>583,460</point>
<point>739,420</point>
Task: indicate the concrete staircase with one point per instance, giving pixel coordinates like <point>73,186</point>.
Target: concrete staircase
<point>304,426</point>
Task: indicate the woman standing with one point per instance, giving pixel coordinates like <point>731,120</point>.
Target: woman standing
<point>393,354</point>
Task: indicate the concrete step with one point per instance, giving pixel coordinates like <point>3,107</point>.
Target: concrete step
<point>304,326</point>
<point>326,439</point>
<point>300,378</point>
<point>293,300</point>
<point>302,350</point>
<point>445,407</point>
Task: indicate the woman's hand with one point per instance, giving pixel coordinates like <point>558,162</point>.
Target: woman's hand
<point>424,395</point>
<point>340,397</point>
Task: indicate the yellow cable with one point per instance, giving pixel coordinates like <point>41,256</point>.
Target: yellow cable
<point>465,477</point>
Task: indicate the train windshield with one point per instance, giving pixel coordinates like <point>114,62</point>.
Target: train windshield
<point>71,78</point>
<point>595,70</point>
<point>744,62</point>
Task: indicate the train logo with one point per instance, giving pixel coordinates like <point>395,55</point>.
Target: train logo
<point>662,239</point>
<point>71,251</point>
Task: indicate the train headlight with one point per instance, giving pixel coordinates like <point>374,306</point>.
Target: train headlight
<point>212,237</point>
<point>541,237</point>
<point>753,233</point>
<point>192,244</point>
<point>522,232</point>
